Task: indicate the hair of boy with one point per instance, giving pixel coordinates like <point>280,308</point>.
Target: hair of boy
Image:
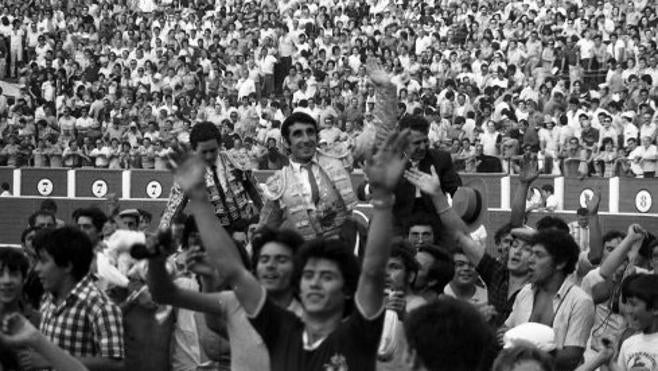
<point>66,245</point>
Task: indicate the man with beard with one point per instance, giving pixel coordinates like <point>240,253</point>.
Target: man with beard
<point>273,159</point>
<point>313,194</point>
<point>231,188</point>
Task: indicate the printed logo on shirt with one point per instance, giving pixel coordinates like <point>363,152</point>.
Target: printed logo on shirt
<point>337,363</point>
<point>642,361</point>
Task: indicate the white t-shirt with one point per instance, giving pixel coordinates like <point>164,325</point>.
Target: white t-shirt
<point>639,352</point>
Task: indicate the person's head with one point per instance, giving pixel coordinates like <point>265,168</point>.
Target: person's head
<point>13,272</point>
<point>552,222</point>
<point>205,139</point>
<point>448,332</point>
<point>421,230</point>
<point>402,268</point>
<point>639,293</point>
<point>554,254</point>
<point>130,219</point>
<point>90,220</point>
<point>503,240</point>
<point>611,240</point>
<point>418,141</point>
<point>64,256</point>
<point>328,277</point>
<point>465,275</point>
<point>547,189</point>
<point>42,219</point>
<point>273,258</point>
<point>49,205</point>
<point>435,269</point>
<point>300,136</point>
<point>583,217</point>
<point>523,358</point>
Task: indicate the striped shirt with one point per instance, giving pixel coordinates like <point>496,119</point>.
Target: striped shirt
<point>85,324</point>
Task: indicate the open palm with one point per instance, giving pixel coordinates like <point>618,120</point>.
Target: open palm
<point>188,168</point>
<point>377,74</point>
<point>385,168</point>
<point>427,183</point>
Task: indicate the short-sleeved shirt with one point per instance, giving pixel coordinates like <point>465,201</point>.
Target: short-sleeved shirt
<point>639,352</point>
<point>573,313</point>
<point>248,352</point>
<point>85,324</point>
<point>352,346</point>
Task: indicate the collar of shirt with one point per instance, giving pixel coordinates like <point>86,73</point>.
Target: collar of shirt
<point>79,292</point>
<point>297,167</point>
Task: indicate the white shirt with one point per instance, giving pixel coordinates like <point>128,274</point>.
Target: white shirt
<point>302,177</point>
<point>639,352</point>
<point>573,313</point>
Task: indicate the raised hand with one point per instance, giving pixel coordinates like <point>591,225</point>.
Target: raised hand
<point>593,203</point>
<point>376,72</point>
<point>635,233</point>
<point>385,168</point>
<point>427,183</point>
<point>529,169</point>
<point>188,168</point>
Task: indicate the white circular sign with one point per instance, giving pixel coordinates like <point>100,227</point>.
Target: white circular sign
<point>99,188</point>
<point>45,187</point>
<point>585,196</point>
<point>643,201</point>
<point>154,189</point>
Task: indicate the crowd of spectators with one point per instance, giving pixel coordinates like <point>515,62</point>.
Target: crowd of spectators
<point>114,84</point>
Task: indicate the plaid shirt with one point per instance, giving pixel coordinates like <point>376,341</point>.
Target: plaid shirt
<point>496,276</point>
<point>85,324</point>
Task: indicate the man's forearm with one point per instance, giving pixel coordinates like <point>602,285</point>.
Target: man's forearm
<point>519,205</point>
<point>219,246</point>
<point>58,358</point>
<point>370,291</point>
<point>595,240</point>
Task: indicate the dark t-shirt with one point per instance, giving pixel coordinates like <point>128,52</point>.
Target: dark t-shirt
<point>352,346</point>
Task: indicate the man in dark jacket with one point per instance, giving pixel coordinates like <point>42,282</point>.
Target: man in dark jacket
<point>408,199</point>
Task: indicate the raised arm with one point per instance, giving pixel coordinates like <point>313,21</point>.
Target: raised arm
<point>385,111</point>
<point>431,185</point>
<point>595,234</point>
<point>527,175</point>
<point>222,253</point>
<point>617,256</point>
<point>384,171</point>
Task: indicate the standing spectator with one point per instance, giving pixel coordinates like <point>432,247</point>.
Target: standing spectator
<point>567,309</point>
<point>88,326</point>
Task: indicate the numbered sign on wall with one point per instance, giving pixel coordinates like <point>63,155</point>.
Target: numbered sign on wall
<point>154,189</point>
<point>643,201</point>
<point>585,196</point>
<point>45,187</point>
<point>99,188</point>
